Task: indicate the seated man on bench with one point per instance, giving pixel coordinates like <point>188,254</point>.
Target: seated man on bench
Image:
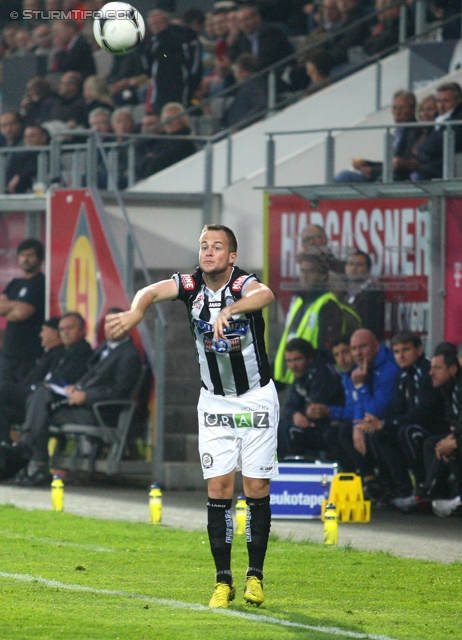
<point>113,371</point>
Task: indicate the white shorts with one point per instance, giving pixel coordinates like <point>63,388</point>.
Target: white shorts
<point>239,432</point>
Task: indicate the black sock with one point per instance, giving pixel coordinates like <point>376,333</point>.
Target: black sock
<point>220,530</point>
<point>258,529</point>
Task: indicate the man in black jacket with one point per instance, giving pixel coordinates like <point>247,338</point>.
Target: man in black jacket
<point>315,381</point>
<point>113,371</point>
<point>430,151</point>
<point>348,32</point>
<point>172,57</point>
<point>64,362</point>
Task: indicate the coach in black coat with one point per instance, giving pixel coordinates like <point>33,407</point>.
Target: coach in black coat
<point>113,372</point>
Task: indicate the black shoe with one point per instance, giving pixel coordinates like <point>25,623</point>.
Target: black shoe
<point>13,458</point>
<point>40,478</point>
<point>20,476</point>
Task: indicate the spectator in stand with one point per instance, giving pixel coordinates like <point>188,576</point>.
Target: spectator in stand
<point>10,130</point>
<point>70,107</point>
<point>23,42</point>
<point>385,34</point>
<point>122,123</point>
<point>8,39</point>
<point>22,304</point>
<point>315,314</point>
<point>346,35</point>
<point>363,293</point>
<point>266,42</point>
<point>314,381</point>
<point>167,152</point>
<point>172,56</point>
<point>38,102</point>
<point>318,68</point>
<point>221,29</point>
<point>96,94</point>
<point>371,389</point>
<point>443,10</point>
<point>430,151</point>
<point>442,453</point>
<point>415,412</point>
<point>43,40</point>
<point>113,371</point>
<point>127,78</point>
<point>21,169</point>
<point>100,120</point>
<point>73,51</point>
<point>314,240</point>
<point>250,98</point>
<point>404,141</point>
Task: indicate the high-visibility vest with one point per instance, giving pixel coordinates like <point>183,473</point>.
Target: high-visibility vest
<point>308,329</point>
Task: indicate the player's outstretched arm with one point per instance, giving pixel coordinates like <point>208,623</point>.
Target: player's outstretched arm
<point>257,296</point>
<point>119,324</point>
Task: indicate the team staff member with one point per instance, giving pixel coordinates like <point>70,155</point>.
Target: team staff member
<point>238,406</point>
<point>23,305</point>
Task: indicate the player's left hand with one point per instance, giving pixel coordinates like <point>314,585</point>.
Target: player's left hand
<point>119,324</point>
<point>221,323</point>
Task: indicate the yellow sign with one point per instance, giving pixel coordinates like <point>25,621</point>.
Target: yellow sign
<point>82,283</point>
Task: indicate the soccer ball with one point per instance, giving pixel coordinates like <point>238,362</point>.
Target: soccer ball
<point>119,29</point>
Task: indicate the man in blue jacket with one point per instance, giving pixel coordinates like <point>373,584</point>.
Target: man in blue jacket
<point>369,389</point>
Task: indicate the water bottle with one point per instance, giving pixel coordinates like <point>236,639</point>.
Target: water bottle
<point>155,504</point>
<point>241,515</point>
<point>57,494</point>
<point>330,525</point>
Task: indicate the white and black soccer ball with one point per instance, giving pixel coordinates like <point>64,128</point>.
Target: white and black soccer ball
<point>119,28</point>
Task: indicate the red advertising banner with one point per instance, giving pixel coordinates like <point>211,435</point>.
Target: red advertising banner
<point>82,274</point>
<point>453,273</point>
<point>394,232</point>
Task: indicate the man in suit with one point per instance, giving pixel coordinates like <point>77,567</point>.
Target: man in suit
<point>266,42</point>
<point>73,51</point>
<point>430,151</point>
<point>64,361</point>
<point>113,371</point>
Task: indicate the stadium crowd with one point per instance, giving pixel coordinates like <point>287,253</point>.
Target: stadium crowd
<point>186,59</point>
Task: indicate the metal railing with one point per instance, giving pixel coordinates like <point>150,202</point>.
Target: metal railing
<point>448,157</point>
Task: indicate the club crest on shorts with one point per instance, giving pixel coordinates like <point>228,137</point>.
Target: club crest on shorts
<point>207,461</point>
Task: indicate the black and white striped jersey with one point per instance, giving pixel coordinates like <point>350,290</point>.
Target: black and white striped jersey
<point>232,366</point>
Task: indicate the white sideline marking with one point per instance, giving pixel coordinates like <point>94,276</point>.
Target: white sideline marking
<point>177,604</point>
<point>57,543</point>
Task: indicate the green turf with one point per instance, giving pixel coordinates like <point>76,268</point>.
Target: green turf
<point>366,593</point>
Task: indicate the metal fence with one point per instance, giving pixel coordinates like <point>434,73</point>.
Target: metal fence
<point>448,158</point>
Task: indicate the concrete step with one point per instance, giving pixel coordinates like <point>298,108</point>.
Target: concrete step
<point>181,447</point>
<point>181,418</point>
<point>184,476</point>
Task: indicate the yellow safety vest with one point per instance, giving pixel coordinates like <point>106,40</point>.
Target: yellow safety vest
<point>308,329</point>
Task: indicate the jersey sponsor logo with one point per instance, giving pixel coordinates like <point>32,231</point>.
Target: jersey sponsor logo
<point>222,346</point>
<point>207,461</point>
<point>229,301</point>
<point>297,499</point>
<point>201,326</point>
<point>248,420</point>
<point>188,282</point>
<point>238,283</point>
<point>237,327</point>
<point>214,305</point>
<point>199,302</point>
